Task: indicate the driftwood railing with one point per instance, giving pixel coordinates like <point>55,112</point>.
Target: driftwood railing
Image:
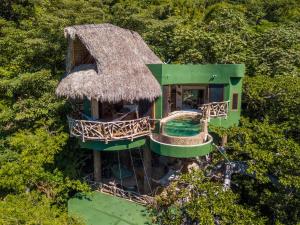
<point>109,131</point>
<point>214,109</point>
<point>112,189</point>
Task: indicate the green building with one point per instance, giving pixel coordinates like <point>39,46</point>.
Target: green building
<point>145,122</point>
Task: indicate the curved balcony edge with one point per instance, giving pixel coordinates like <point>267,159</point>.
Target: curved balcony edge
<point>118,145</point>
<point>181,151</point>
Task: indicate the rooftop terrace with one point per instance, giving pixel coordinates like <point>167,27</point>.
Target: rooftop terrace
<point>103,209</point>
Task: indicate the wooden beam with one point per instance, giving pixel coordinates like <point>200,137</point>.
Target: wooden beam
<point>97,166</point>
<point>148,169</point>
<point>166,100</point>
<point>224,140</point>
<point>96,154</point>
<point>95,109</point>
<point>178,97</point>
<point>205,128</point>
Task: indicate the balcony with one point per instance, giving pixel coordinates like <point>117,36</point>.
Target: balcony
<point>88,130</point>
<point>214,109</point>
<point>182,134</point>
<point>180,150</point>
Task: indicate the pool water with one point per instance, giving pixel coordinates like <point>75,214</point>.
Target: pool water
<point>182,126</point>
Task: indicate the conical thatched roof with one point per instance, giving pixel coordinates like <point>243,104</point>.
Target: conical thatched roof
<point>119,72</point>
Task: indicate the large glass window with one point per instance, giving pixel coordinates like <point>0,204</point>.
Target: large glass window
<point>235,99</point>
<point>192,98</point>
<point>216,93</point>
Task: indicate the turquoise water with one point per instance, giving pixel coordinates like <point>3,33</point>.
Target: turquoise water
<point>183,126</point>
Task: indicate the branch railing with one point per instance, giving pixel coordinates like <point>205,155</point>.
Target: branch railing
<point>112,189</point>
<point>214,109</point>
<point>109,131</point>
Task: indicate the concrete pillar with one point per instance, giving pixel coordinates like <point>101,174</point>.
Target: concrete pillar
<point>148,169</point>
<point>96,154</point>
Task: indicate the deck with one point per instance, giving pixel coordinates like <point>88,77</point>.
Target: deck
<point>103,209</point>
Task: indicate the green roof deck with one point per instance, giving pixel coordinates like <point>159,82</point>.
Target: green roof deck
<point>103,209</point>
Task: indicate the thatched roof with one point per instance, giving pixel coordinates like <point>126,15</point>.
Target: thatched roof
<point>119,72</point>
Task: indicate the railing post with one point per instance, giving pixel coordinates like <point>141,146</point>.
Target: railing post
<point>82,131</point>
<point>224,140</point>
<point>205,128</point>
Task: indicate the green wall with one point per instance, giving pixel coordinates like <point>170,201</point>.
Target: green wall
<point>181,151</point>
<point>228,74</point>
<point>167,74</point>
<point>113,145</point>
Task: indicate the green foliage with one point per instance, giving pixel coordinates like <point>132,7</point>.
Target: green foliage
<point>277,99</point>
<point>274,162</point>
<point>36,155</point>
<point>38,211</point>
<point>195,199</point>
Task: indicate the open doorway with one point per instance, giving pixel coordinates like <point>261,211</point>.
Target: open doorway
<point>192,98</point>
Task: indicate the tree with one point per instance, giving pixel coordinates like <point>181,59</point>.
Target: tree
<point>32,209</point>
<point>195,199</point>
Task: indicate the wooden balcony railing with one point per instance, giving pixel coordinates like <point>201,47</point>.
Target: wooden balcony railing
<point>112,189</point>
<point>109,131</point>
<point>214,109</point>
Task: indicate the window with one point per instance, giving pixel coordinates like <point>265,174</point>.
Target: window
<point>192,98</point>
<point>216,93</point>
<point>235,99</point>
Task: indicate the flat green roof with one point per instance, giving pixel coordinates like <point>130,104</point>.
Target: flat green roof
<point>102,209</point>
<point>168,74</point>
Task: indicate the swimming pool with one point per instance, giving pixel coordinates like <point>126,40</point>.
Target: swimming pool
<point>182,126</point>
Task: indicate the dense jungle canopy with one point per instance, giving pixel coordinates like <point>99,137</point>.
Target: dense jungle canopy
<point>40,167</point>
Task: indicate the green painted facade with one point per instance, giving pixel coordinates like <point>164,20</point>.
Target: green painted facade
<point>181,151</point>
<point>230,75</point>
<point>167,74</point>
<point>114,145</point>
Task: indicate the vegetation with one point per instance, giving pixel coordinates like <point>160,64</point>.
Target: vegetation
<point>38,169</point>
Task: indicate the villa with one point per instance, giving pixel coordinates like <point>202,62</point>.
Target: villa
<point>144,121</point>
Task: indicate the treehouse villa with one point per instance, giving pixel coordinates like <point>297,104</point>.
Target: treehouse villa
<point>144,121</point>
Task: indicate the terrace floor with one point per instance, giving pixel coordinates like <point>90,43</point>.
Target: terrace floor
<point>102,209</point>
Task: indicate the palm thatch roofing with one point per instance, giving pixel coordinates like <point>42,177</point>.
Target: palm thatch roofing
<point>117,70</point>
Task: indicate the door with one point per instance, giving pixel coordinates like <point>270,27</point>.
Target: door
<point>193,97</point>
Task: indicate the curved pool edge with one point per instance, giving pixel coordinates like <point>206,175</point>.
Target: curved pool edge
<point>181,151</point>
<point>181,124</point>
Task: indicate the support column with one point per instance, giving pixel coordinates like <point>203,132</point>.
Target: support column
<point>96,154</point>
<point>178,97</point>
<point>97,165</point>
<point>166,100</point>
<point>224,140</point>
<point>205,128</point>
<point>148,169</point>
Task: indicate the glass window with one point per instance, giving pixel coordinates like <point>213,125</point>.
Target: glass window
<point>192,98</point>
<point>235,99</point>
<point>216,93</point>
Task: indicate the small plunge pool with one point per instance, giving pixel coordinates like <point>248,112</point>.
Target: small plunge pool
<point>183,126</point>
